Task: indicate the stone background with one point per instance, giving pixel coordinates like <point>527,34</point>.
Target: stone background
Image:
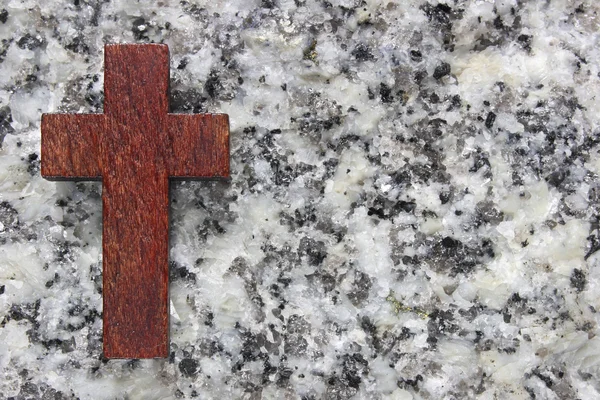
<point>412,211</point>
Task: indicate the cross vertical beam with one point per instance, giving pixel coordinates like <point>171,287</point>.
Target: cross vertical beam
<point>134,148</point>
<point>135,201</point>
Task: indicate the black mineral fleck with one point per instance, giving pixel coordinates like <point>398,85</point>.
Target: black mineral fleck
<point>5,123</point>
<point>578,279</point>
<point>362,53</point>
<point>29,42</point>
<point>139,28</point>
<point>525,41</point>
<point>416,55</point>
<point>188,367</point>
<point>353,367</point>
<point>490,119</point>
<point>360,288</point>
<point>386,93</point>
<point>442,70</point>
<point>314,250</point>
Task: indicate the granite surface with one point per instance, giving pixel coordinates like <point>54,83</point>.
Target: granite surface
<point>413,211</point>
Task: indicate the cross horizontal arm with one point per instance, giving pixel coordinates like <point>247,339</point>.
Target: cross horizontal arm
<point>70,146</point>
<point>199,145</point>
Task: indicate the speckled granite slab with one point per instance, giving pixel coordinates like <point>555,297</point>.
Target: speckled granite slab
<point>412,214</point>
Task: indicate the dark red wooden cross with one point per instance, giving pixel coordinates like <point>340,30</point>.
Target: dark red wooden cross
<point>135,147</point>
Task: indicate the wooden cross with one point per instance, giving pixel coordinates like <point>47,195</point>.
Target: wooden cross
<point>135,147</point>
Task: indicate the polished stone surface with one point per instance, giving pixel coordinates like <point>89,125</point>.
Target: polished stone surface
<point>412,212</point>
